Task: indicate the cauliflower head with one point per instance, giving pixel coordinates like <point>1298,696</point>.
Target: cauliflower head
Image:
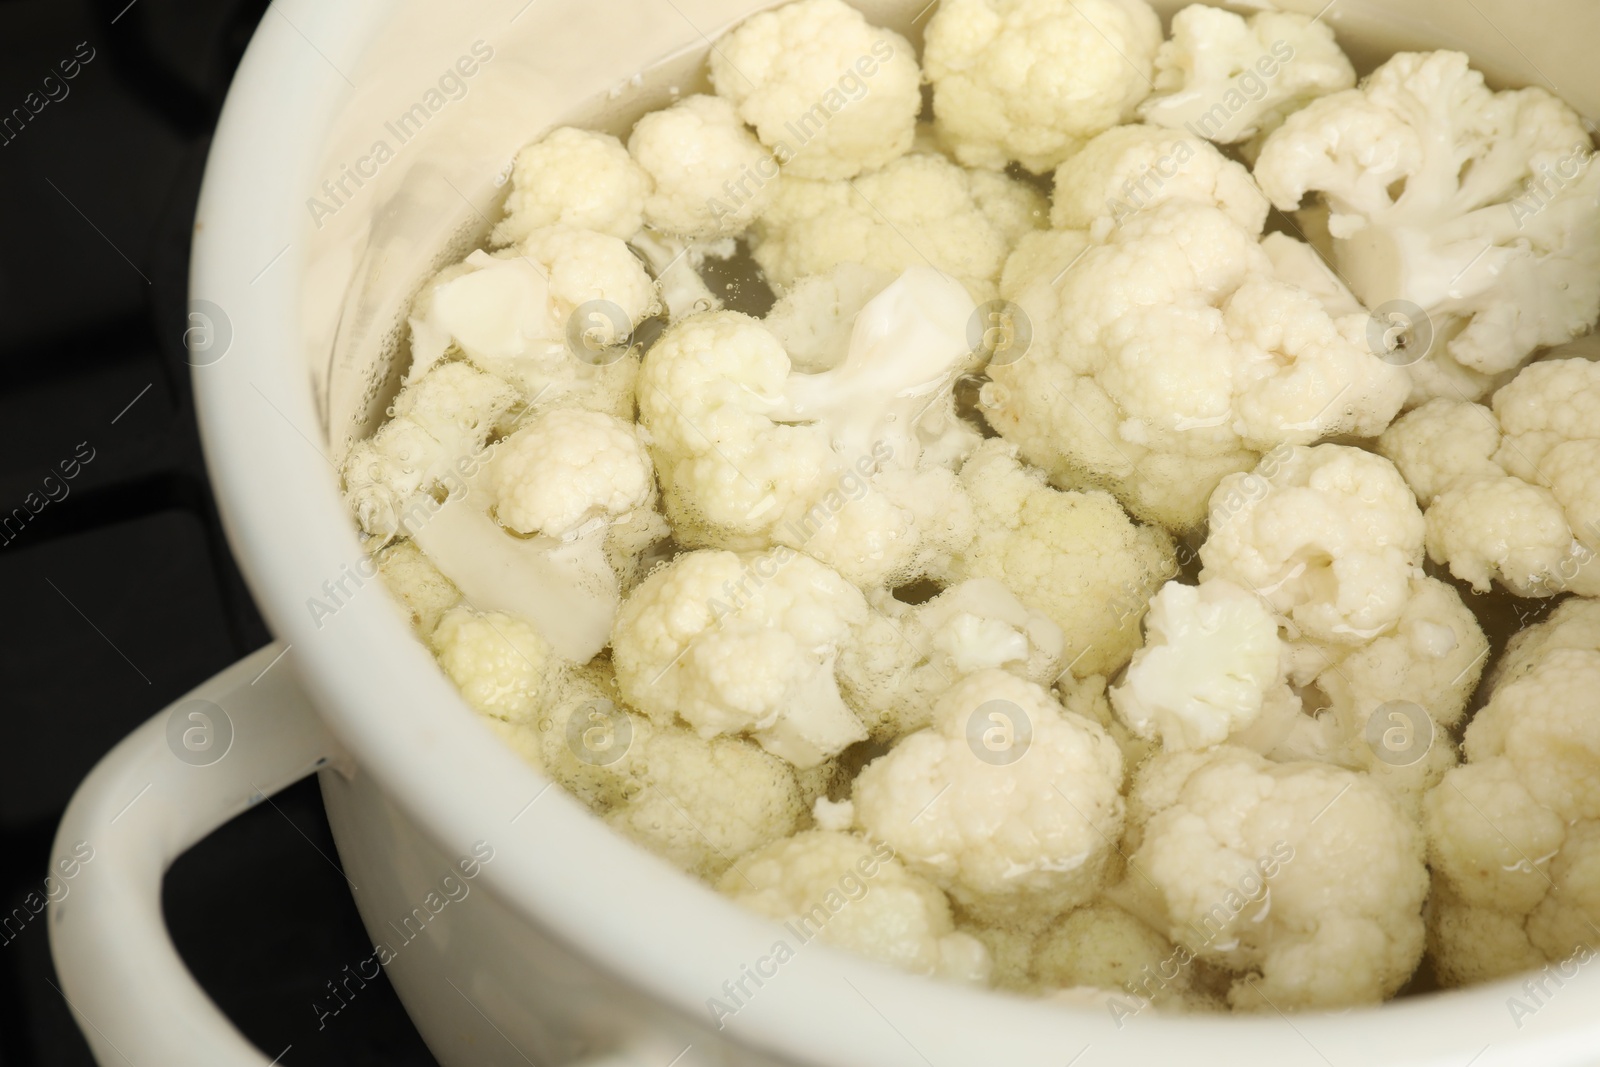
<point>736,644</point>
<point>1033,80</point>
<point>577,178</point>
<point>500,663</point>
<point>1007,802</point>
<point>1301,879</point>
<point>1331,537</point>
<point>1130,168</point>
<point>710,175</point>
<point>1511,489</point>
<point>442,422</point>
<point>703,802</point>
<point>552,315</point>
<point>918,210</point>
<point>1230,79</point>
<point>567,469</point>
<point>829,94</point>
<point>1211,662</point>
<point>907,654</point>
<point>1172,357</point>
<point>851,464</point>
<point>856,895</point>
<point>1075,557</point>
<point>1470,214</point>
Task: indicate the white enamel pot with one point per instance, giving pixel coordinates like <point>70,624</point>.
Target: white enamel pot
<point>572,945</point>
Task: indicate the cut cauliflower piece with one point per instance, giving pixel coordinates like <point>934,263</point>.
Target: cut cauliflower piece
<point>907,654</point>
<point>1475,208</point>
<point>1131,168</point>
<point>856,895</point>
<point>1076,557</point>
<point>417,584</point>
<point>1511,492</point>
<point>1331,536</point>
<point>1513,837</point>
<point>1103,947</point>
<point>501,664</point>
<point>816,316</point>
<point>1089,698</point>
<point>1230,79</point>
<point>711,176</point>
<point>849,464</point>
<point>704,802</point>
<point>919,210</point>
<point>1169,357</point>
<point>552,315</point>
<point>567,469</point>
<point>584,739</point>
<point>1033,80</point>
<point>1301,879</point>
<point>1442,442</point>
<point>577,178</point>
<point>1007,802</point>
<point>1211,662</point>
<point>743,644</point>
<point>829,94</point>
<point>1429,663</point>
<point>442,421</point>
<point>1574,624</point>
<point>1547,724</point>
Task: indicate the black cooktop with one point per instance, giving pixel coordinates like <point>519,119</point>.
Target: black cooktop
<point>118,588</point>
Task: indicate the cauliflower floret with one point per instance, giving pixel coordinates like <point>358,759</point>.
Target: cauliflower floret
<point>1101,946</point>
<point>1130,168</point>
<point>1477,208</point>
<point>711,175</point>
<point>706,802</point>
<point>568,468</point>
<point>1211,661</point>
<point>1231,79</point>
<point>918,210</point>
<point>1032,80</point>
<point>856,895</point>
<point>1169,357</point>
<point>1564,922</point>
<point>1512,835</point>
<point>743,644</point>
<point>906,655</point>
<point>1073,556</point>
<point>500,663</point>
<point>1441,442</point>
<point>1547,724</point>
<point>1511,493</point>
<point>1574,624</point>
<point>1470,945</point>
<point>1330,536</point>
<point>1089,698</point>
<point>584,739</point>
<point>577,178</point>
<point>1007,802</point>
<point>830,94</point>
<point>1502,527</point>
<point>551,315</point>
<point>817,315</point>
<point>849,464</point>
<point>417,584</point>
<point>442,421</point>
<point>1302,879</point>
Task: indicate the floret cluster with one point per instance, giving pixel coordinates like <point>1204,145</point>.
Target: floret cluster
<point>1083,506</point>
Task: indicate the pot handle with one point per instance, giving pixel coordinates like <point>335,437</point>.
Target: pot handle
<point>224,747</point>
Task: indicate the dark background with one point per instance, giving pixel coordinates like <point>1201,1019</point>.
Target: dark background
<point>122,595</point>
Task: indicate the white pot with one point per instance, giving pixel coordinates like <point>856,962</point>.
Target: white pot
<point>569,942</point>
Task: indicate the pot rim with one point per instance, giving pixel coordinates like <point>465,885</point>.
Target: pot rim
<point>556,865</point>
